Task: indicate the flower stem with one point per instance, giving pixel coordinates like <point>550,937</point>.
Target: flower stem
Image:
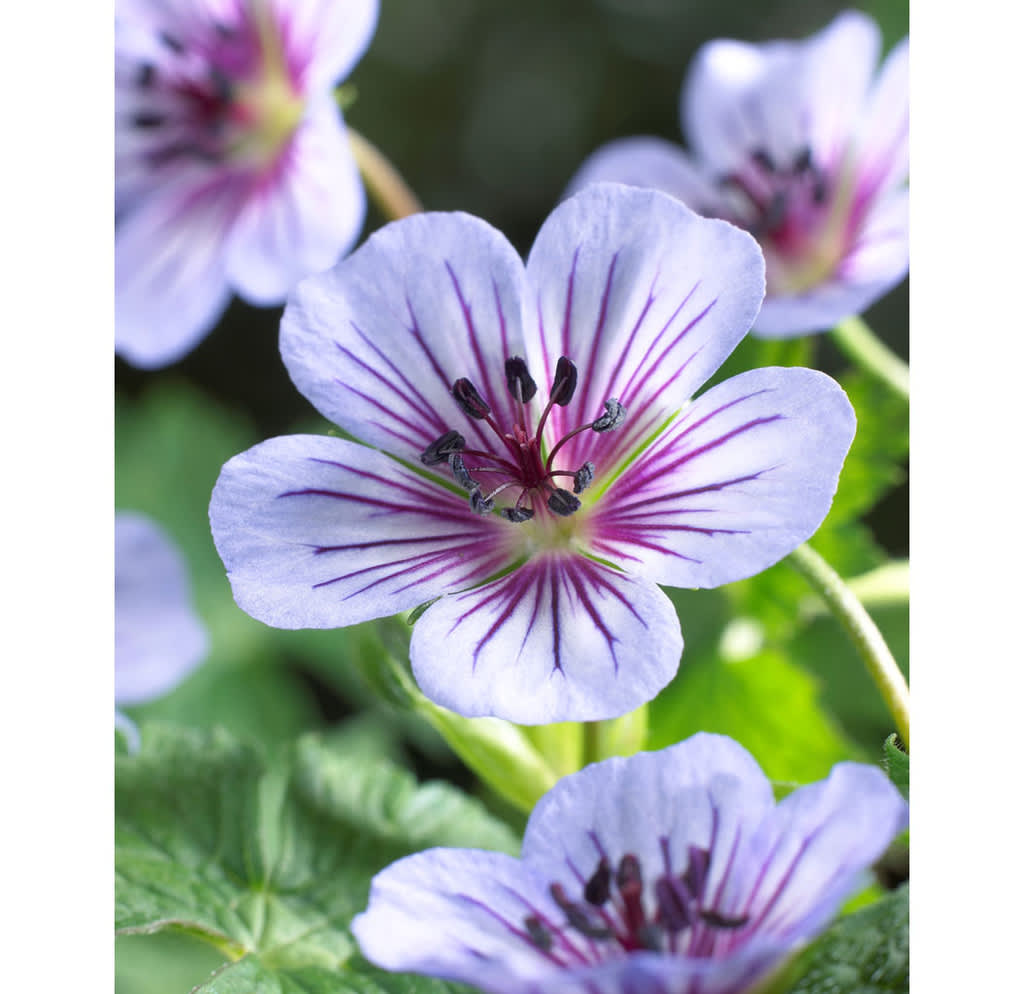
<point>383,182</point>
<point>853,616</point>
<point>861,345</point>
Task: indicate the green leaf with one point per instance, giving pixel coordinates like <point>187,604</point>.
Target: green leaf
<point>897,764</point>
<point>268,857</point>
<point>867,952</point>
<point>757,697</point>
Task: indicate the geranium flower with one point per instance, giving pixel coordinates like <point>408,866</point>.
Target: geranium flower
<point>233,169</point>
<point>669,872</point>
<point>543,465</point>
<point>801,144</point>
<point>158,638</point>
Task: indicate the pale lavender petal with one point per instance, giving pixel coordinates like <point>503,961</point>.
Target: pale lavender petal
<point>561,638</point>
<point>459,914</point>
<point>301,220</point>
<point>170,281</point>
<point>318,532</point>
<point>377,342</point>
<point>651,163</point>
<point>737,98</point>
<point>158,637</point>
<point>841,61</point>
<point>619,806</point>
<point>741,478</point>
<point>883,142</point>
<point>795,867</point>
<point>326,37</point>
<point>647,297</point>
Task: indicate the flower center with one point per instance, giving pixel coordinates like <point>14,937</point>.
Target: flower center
<point>612,912</point>
<point>518,467</point>
<point>231,100</point>
<point>793,211</point>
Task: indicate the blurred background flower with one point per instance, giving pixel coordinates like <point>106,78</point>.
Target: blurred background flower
<point>233,167</point>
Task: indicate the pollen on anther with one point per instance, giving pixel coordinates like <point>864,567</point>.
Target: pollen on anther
<point>614,415</point>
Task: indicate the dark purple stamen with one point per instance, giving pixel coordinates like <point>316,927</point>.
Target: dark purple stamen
<point>577,915</point>
<point>146,76</point>
<point>673,907</point>
<point>479,503</point>
<point>441,448</point>
<point>147,120</point>
<point>614,415</point>
<point>564,386</point>
<point>563,503</point>
<point>521,464</point>
<point>469,400</point>
<point>599,887</point>
<point>716,920</point>
<point>520,383</point>
<point>583,477</point>
<point>802,162</point>
<point>461,474</point>
<point>696,874</point>
<point>171,42</point>
<point>539,935</point>
<point>763,158</point>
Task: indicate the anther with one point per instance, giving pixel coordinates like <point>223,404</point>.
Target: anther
<point>539,935</point>
<point>461,474</point>
<point>650,938</point>
<point>441,448</point>
<point>471,403</point>
<point>171,42</point>
<point>614,415</point>
<point>583,477</point>
<point>146,76</point>
<point>802,162</point>
<point>564,386</point>
<point>717,920</point>
<point>673,910</point>
<point>516,514</point>
<point>599,887</point>
<point>696,872</point>
<point>520,382</point>
<point>148,120</point>
<point>763,159</point>
<point>222,85</point>
<point>479,503</point>
<point>563,503</point>
<point>576,916</point>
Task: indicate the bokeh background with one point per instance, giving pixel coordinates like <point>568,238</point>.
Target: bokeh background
<point>486,106</point>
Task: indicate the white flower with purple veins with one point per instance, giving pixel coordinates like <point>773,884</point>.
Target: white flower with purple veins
<point>538,465</point>
<point>158,638</point>
<point>233,169</point>
<point>803,145</point>
<point>671,872</point>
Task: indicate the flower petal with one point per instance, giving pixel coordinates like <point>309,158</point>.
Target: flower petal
<point>804,857</point>
<point>650,163</point>
<point>647,297</point>
<point>158,637</point>
<point>692,793</point>
<point>321,533</point>
<point>327,37</point>
<point>744,476</point>
<point>883,142</point>
<point>168,258</point>
<point>561,638</point>
<point>877,259</point>
<point>302,219</point>
<point>459,914</point>
<point>377,342</point>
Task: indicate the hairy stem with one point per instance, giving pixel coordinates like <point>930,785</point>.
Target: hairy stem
<point>861,345</point>
<point>864,633</point>
<point>383,182</point>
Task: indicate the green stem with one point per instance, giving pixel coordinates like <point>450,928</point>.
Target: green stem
<point>862,630</point>
<point>383,182</point>
<point>861,345</point>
